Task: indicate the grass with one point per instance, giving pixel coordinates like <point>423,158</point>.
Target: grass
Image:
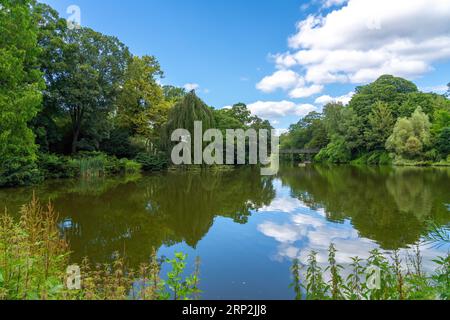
<point>396,280</point>
<point>34,259</point>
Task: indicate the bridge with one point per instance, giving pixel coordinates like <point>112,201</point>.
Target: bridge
<point>308,153</point>
<point>300,151</point>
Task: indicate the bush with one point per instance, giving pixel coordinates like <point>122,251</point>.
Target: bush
<point>151,162</point>
<point>335,152</point>
<point>16,172</point>
<point>96,164</point>
<point>54,166</point>
<point>374,158</point>
<point>130,166</point>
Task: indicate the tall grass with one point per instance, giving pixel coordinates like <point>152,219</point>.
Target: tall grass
<point>92,167</point>
<point>34,259</point>
<point>399,279</point>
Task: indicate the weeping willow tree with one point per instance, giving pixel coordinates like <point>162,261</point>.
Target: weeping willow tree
<point>183,115</point>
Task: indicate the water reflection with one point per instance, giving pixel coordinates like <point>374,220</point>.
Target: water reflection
<point>247,228</point>
<point>388,205</point>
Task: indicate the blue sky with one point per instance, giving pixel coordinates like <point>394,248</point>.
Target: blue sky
<point>283,58</point>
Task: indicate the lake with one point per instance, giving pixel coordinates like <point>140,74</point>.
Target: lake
<point>246,228</point>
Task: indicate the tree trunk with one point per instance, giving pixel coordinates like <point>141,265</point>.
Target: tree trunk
<point>76,134</point>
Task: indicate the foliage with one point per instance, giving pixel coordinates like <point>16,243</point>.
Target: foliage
<point>32,254</point>
<point>411,136</point>
<point>186,112</point>
<point>142,107</point>
<point>336,152</point>
<point>121,144</point>
<point>388,115</point>
<point>395,283</point>
<point>53,166</point>
<point>381,124</point>
<point>86,83</point>
<point>151,162</point>
<point>181,288</point>
<point>34,259</point>
<point>20,94</point>
<point>97,164</point>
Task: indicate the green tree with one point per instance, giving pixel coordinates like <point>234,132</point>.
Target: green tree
<point>88,81</point>
<point>185,113</point>
<point>20,93</point>
<point>173,94</point>
<point>142,107</point>
<point>381,124</point>
<point>440,130</point>
<point>411,136</point>
<point>48,125</point>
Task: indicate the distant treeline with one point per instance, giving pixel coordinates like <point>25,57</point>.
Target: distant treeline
<point>386,121</point>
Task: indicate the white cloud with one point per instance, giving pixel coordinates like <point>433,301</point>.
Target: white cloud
<point>304,92</point>
<point>277,109</point>
<point>345,99</point>
<point>361,41</point>
<point>282,79</point>
<point>436,89</point>
<point>285,204</point>
<point>281,131</point>
<point>288,80</point>
<point>332,3</point>
<point>191,86</point>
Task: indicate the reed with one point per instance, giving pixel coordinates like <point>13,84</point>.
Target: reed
<point>92,167</point>
<point>34,258</point>
<point>395,281</point>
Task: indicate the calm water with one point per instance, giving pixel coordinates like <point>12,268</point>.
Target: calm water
<point>247,228</point>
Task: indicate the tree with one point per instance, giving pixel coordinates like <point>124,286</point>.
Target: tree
<point>173,94</point>
<point>411,135</point>
<point>185,113</point>
<point>142,107</point>
<point>333,118</point>
<point>388,89</point>
<point>88,80</point>
<point>381,124</point>
<point>443,142</point>
<point>20,94</point>
<point>51,34</point>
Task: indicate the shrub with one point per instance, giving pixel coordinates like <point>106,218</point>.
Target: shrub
<point>373,158</point>
<point>57,167</point>
<point>130,166</point>
<point>151,162</point>
<point>16,172</point>
<point>335,152</point>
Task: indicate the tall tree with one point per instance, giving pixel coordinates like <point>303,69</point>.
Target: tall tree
<point>89,78</point>
<point>381,124</point>
<point>20,91</point>
<point>142,107</point>
<point>183,116</point>
<point>51,34</point>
